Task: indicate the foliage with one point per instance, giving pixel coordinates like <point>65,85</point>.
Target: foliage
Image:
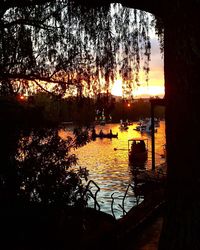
<point>49,105</point>
<point>67,109</point>
<point>76,111</point>
<point>71,45</point>
<point>139,109</point>
<point>159,30</point>
<point>46,172</point>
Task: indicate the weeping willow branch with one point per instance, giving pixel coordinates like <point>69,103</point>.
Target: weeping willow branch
<point>92,47</point>
<point>32,78</point>
<point>41,87</point>
<point>33,23</point>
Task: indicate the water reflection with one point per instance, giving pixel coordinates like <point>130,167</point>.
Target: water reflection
<point>109,168</point>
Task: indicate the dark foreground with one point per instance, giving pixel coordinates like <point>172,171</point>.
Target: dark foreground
<point>74,229</point>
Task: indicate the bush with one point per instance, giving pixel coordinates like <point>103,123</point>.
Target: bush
<point>46,171</point>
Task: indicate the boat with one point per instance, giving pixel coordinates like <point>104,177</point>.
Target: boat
<point>101,119</point>
<point>123,125</point>
<point>145,126</point>
<point>138,150</point>
<point>103,135</point>
<point>147,119</point>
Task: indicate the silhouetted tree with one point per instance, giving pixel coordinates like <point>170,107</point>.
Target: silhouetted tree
<point>46,169</point>
<point>38,43</point>
<point>181,58</point>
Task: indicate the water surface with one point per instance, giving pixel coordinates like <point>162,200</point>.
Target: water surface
<point>109,168</point>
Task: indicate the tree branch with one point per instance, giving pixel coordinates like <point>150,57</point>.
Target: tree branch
<point>40,86</point>
<point>32,78</point>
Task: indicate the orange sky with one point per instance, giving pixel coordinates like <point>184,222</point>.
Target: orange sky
<point>155,85</point>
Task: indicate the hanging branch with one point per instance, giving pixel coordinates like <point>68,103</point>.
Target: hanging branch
<point>91,46</point>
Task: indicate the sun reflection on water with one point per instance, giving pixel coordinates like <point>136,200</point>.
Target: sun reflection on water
<point>109,168</point>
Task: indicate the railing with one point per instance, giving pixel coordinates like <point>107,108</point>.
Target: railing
<point>157,176</point>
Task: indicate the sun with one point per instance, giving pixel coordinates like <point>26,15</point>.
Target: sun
<point>117,88</point>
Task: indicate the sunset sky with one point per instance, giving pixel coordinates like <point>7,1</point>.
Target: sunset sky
<point>155,86</point>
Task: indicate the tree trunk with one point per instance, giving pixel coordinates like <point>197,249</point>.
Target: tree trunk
<point>181,229</point>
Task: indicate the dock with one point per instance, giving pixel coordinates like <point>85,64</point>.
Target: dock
<point>141,227</point>
<point>148,238</point>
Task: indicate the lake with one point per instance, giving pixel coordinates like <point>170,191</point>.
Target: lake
<point>109,168</point>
